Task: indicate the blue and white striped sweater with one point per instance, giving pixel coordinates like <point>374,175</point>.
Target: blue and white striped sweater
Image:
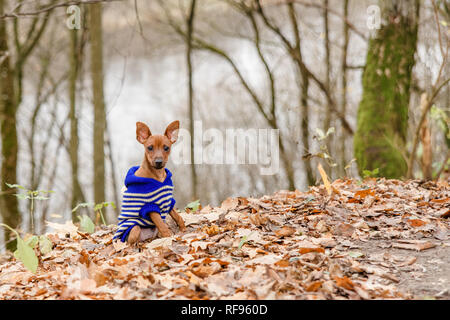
<point>142,196</point>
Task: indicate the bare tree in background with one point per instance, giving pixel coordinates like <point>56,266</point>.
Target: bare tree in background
<point>303,80</point>
<point>428,98</point>
<point>269,113</point>
<point>8,108</point>
<point>75,54</point>
<point>304,73</point>
<point>342,154</point>
<point>328,115</point>
<point>189,33</point>
<point>12,72</point>
<point>99,125</point>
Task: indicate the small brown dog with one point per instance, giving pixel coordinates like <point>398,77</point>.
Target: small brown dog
<point>149,194</point>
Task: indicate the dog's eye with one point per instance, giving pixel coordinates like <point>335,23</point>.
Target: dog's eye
<point>150,148</point>
<point>166,148</point>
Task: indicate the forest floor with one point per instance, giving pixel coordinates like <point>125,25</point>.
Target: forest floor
<point>376,239</point>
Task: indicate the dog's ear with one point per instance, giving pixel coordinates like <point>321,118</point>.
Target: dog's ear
<point>172,131</point>
<point>142,132</point>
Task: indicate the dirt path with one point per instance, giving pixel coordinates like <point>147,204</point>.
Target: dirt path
<point>428,277</point>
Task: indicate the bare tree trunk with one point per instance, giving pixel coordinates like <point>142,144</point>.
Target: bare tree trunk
<point>54,165</point>
<point>8,109</point>
<point>190,30</point>
<point>287,162</point>
<point>34,183</point>
<point>425,139</point>
<point>304,87</point>
<point>23,51</point>
<point>327,119</point>
<point>303,78</point>
<point>95,24</point>
<point>113,171</point>
<point>75,55</point>
<point>342,154</point>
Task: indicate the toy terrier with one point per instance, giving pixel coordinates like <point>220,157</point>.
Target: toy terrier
<point>148,196</point>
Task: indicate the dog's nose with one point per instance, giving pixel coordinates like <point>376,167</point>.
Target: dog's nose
<point>158,163</point>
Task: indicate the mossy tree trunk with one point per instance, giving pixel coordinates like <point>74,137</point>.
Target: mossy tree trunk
<point>8,109</point>
<point>380,138</point>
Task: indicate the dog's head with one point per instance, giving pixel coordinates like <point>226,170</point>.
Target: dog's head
<point>157,147</point>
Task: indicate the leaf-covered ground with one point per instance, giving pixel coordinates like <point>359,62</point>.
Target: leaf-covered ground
<point>379,239</point>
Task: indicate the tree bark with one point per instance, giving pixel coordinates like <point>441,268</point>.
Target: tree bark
<point>328,115</point>
<point>74,56</point>
<point>303,79</point>
<point>190,30</point>
<point>95,24</point>
<point>8,110</point>
<point>383,111</point>
<point>112,164</point>
<point>342,155</point>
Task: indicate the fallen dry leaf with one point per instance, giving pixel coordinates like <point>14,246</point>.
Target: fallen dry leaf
<point>416,223</point>
<point>285,231</point>
<point>408,262</point>
<point>119,245</point>
<point>308,250</point>
<point>62,229</point>
<point>203,270</point>
<point>325,180</point>
<point>362,293</point>
<point>446,214</point>
<point>344,282</point>
<point>87,285</point>
<point>211,230</point>
<point>444,200</point>
<point>344,229</point>
<point>258,219</point>
<point>282,263</point>
<point>414,245</point>
<point>313,287</point>
<point>230,204</point>
<point>361,194</point>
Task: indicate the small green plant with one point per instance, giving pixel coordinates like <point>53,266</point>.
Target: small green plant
<point>370,174</point>
<point>320,135</point>
<point>324,153</point>
<point>86,223</point>
<point>99,206</point>
<point>25,249</point>
<point>31,195</point>
<point>193,206</point>
<point>242,242</point>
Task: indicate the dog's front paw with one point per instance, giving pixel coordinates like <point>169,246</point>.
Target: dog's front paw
<point>166,233</point>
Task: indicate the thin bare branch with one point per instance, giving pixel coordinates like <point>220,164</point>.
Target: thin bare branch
<point>14,14</point>
<point>294,53</point>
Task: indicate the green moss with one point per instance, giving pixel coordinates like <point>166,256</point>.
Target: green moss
<point>383,111</point>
